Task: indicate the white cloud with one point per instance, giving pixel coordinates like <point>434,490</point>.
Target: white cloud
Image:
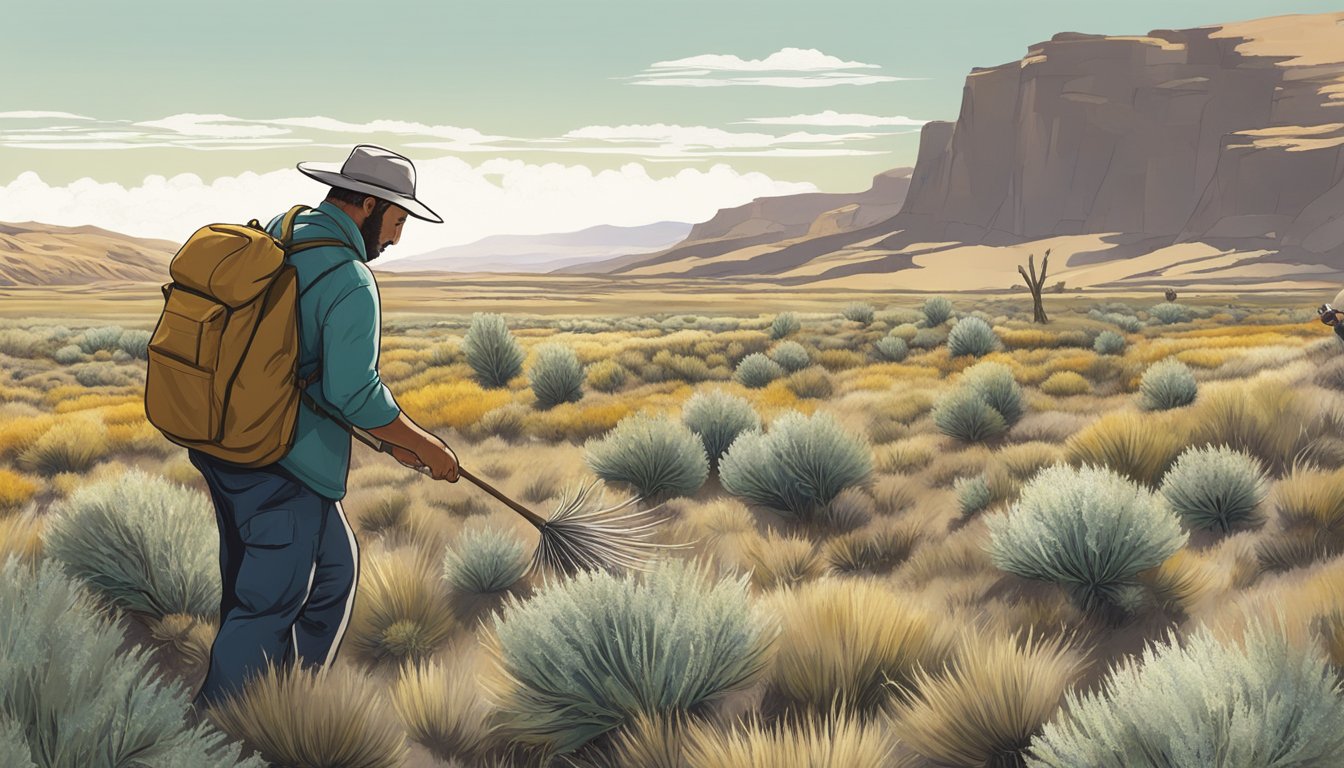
<point>195,126</point>
<point>787,59</point>
<point>29,114</point>
<point>700,136</point>
<point>498,196</point>
<point>832,118</point>
<point>794,68</point>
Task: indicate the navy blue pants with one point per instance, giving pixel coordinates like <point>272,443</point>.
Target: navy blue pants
<point>289,564</point>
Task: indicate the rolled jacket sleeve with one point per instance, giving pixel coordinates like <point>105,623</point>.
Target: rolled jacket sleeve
<point>350,380</point>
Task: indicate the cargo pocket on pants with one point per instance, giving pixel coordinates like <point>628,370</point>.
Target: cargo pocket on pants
<point>269,529</point>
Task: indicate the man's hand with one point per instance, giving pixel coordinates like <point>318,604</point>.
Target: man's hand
<point>407,458</point>
<point>442,462</point>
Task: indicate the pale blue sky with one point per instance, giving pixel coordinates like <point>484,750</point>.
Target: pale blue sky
<point>539,77</point>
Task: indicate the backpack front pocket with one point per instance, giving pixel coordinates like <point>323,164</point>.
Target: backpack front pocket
<point>190,329</point>
<point>180,398</point>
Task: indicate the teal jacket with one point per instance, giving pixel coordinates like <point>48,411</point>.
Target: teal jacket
<point>339,328</point>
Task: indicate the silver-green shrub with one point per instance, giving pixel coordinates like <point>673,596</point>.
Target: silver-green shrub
<point>68,354</point>
<point>791,356</point>
<point>1109,343</point>
<point>892,349</point>
<point>798,466</point>
<point>1216,488</point>
<point>145,543</point>
<point>492,351</point>
<point>586,655</point>
<point>14,752</point>
<point>965,415</point>
<point>784,324</point>
<point>860,312</point>
<point>971,336</point>
<point>79,698</point>
<point>1167,384</point>
<point>718,418</point>
<point>1170,313</point>
<point>95,339</point>
<point>135,343</point>
<point>1125,322</point>
<point>1203,703</point>
<point>756,370</point>
<point>973,494</point>
<point>996,385</point>
<point>656,456</point>
<point>936,310</point>
<point>927,338</point>
<point>1087,529</point>
<point>484,561</point>
<point>556,376</point>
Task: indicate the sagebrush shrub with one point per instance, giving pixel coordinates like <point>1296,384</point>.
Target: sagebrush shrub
<point>14,750</point>
<point>588,654</point>
<point>798,466</point>
<point>95,339</point>
<point>64,664</point>
<point>1216,487</point>
<point>972,336</point>
<point>784,324</point>
<point>484,561</point>
<point>936,310</point>
<point>756,370</point>
<point>718,418</point>
<point>927,338</point>
<point>966,416</point>
<point>492,351</point>
<point>556,376</point>
<point>973,494</point>
<point>1170,313</point>
<point>1167,384</point>
<point>1109,343</point>
<point>655,455</point>
<point>135,343</point>
<point>1200,703</point>
<point>860,312</point>
<point>1087,529</point>
<point>995,384</point>
<point>68,355</point>
<point>892,348</point>
<point>144,543</point>
<point>791,356</point>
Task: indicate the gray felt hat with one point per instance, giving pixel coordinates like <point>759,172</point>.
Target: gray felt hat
<point>378,172</point>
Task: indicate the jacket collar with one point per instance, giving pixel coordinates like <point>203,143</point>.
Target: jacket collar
<point>340,224</point>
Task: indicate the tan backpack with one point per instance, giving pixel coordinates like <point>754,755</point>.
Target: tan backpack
<point>223,359</point>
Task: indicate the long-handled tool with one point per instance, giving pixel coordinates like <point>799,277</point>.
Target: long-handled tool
<point>576,536</point>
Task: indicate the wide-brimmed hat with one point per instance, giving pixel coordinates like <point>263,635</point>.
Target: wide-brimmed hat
<point>378,172</point>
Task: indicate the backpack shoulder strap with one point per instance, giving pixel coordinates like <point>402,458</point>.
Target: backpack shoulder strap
<point>321,275</point>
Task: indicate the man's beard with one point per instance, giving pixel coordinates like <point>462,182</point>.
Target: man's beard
<point>370,229</point>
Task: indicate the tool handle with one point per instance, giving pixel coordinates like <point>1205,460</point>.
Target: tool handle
<point>382,446</point>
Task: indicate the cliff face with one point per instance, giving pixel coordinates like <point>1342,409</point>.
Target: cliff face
<point>1222,132</point>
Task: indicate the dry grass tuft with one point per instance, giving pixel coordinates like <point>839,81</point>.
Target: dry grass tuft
<point>73,445</point>
<point>1183,580</point>
<point>986,706</point>
<point>442,707</point>
<point>15,490</point>
<point>21,536</point>
<point>1141,447</point>
<point>332,717</point>
<point>782,561</point>
<point>401,612</point>
<point>844,642</point>
<point>838,740</point>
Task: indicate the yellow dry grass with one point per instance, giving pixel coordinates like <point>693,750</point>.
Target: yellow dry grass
<point>1064,384</point>
<point>1138,446</point>
<point>17,434</point>
<point>455,404</point>
<point>441,704</point>
<point>989,702</point>
<point>15,490</point>
<point>845,642</point>
<point>838,740</point>
<point>401,612</point>
<point>99,400</point>
<point>21,536</point>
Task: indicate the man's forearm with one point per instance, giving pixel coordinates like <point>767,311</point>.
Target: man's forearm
<point>404,433</point>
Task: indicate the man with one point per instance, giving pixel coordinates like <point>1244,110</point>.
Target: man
<point>288,557</point>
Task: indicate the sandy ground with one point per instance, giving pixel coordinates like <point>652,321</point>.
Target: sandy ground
<point>597,296</point>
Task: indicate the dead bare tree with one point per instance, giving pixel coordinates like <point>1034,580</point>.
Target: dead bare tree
<point>1035,284</point>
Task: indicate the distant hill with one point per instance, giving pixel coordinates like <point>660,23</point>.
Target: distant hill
<point>544,253</point>
<point>763,224</point>
<point>45,254</point>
